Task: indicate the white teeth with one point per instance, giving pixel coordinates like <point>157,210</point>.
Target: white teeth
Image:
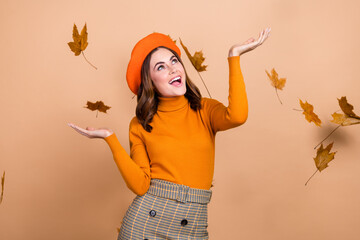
<point>177,78</point>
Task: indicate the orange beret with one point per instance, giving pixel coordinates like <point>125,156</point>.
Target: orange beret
<point>139,53</point>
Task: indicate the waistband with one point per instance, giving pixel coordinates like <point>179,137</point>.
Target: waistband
<point>178,192</point>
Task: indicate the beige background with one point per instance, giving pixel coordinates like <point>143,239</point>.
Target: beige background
<point>61,185</point>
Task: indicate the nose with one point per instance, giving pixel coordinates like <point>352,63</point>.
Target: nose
<point>172,69</point>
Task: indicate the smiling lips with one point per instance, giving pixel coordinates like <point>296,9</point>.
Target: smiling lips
<point>176,81</point>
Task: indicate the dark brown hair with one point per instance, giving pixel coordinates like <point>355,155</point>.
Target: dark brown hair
<point>148,96</point>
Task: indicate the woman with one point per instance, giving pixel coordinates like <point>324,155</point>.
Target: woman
<point>172,140</point>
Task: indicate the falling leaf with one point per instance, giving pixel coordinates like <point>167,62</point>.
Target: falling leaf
<point>310,116</point>
<point>349,117</point>
<point>2,187</point>
<point>99,105</point>
<point>344,120</point>
<point>172,39</point>
<point>196,60</point>
<point>347,108</point>
<point>276,82</point>
<point>80,42</point>
<point>323,157</point>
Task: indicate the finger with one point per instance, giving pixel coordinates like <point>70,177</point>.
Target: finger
<point>81,130</point>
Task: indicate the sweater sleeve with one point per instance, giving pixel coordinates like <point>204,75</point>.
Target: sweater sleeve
<point>135,169</point>
<point>221,117</point>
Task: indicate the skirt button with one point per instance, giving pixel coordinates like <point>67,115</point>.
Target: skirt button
<point>152,213</point>
<point>184,222</point>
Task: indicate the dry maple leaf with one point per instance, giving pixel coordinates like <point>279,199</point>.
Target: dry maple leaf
<point>2,187</point>
<point>276,82</point>
<point>197,61</point>
<point>344,120</point>
<point>323,157</point>
<point>99,105</point>
<point>310,116</point>
<point>80,42</point>
<point>172,39</point>
<point>347,108</point>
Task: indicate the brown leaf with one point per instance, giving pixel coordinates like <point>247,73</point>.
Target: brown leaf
<point>172,39</point>
<point>310,116</point>
<point>347,108</point>
<point>344,120</point>
<point>80,40</point>
<point>2,187</point>
<point>196,60</point>
<point>99,105</point>
<point>275,81</point>
<point>323,157</point>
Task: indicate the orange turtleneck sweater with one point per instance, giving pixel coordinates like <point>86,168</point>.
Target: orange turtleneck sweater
<point>181,145</point>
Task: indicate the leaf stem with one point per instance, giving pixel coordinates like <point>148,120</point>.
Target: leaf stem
<point>311,176</point>
<point>2,187</point>
<point>87,60</point>
<point>204,83</point>
<point>277,95</point>
<point>297,110</point>
<point>327,136</point>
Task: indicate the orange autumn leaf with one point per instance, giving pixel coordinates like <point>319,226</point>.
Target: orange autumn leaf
<point>323,157</point>
<point>80,42</point>
<point>172,39</point>
<point>196,60</point>
<point>275,81</point>
<point>310,116</point>
<point>2,187</point>
<point>99,106</point>
<point>347,108</point>
<point>349,117</point>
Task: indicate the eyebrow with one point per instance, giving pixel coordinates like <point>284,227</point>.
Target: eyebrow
<point>173,56</point>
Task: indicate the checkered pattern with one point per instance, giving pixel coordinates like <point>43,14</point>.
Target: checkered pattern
<point>167,211</point>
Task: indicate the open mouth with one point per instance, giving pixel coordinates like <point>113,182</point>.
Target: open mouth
<point>175,81</point>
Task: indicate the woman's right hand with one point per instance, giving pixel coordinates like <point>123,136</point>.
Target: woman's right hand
<point>92,132</point>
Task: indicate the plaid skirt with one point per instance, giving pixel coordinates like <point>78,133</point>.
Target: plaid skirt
<point>167,211</point>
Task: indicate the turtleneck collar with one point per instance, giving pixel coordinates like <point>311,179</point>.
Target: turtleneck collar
<point>172,104</point>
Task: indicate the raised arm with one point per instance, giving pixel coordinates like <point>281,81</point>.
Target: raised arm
<point>236,113</point>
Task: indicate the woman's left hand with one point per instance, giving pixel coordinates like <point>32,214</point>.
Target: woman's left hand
<point>250,44</point>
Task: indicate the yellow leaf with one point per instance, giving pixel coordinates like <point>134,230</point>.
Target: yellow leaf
<point>344,120</point>
<point>2,187</point>
<point>196,60</point>
<point>323,157</point>
<point>275,81</point>
<point>310,116</point>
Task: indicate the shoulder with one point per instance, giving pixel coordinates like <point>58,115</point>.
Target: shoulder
<point>134,124</point>
<point>208,103</point>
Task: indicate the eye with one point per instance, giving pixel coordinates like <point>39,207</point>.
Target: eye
<point>160,67</point>
<point>174,60</point>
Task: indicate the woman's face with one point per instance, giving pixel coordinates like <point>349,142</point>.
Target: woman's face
<point>167,73</point>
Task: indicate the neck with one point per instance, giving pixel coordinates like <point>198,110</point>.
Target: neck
<point>172,103</point>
